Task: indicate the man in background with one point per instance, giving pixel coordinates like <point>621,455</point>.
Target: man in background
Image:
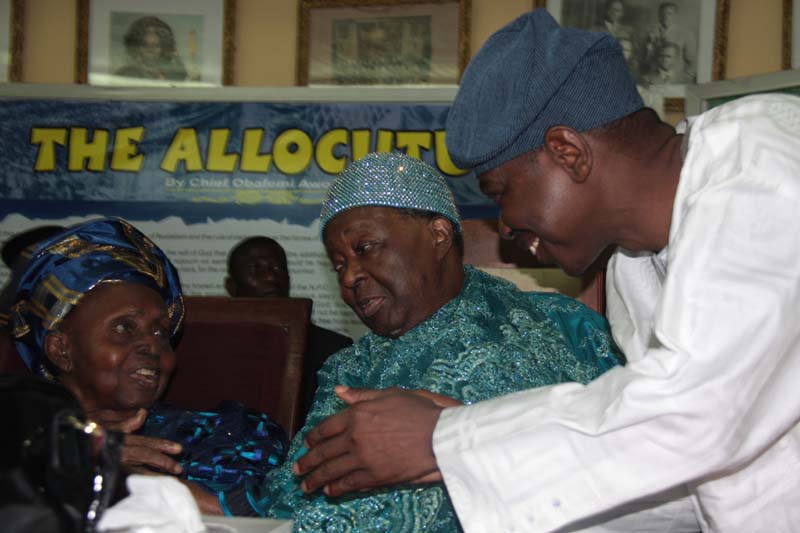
<point>257,268</point>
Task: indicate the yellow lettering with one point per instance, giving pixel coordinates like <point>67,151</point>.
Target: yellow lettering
<point>413,141</point>
<point>126,156</point>
<point>184,147</point>
<point>252,159</point>
<point>47,139</point>
<point>218,159</point>
<point>385,141</point>
<point>292,151</point>
<point>81,150</point>
<point>360,143</point>
<point>326,160</point>
<point>443,161</point>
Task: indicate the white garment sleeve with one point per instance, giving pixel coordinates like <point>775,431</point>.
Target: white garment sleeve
<point>710,392</point>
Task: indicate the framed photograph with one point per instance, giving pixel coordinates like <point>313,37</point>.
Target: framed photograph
<point>705,96</point>
<point>155,43</point>
<point>382,42</point>
<point>11,13</point>
<point>667,44</point>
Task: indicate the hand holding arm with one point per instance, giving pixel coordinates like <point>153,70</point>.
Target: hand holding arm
<point>384,438</point>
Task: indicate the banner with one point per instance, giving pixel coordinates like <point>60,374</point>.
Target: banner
<point>198,176</point>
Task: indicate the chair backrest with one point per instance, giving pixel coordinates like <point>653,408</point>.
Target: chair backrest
<point>483,247</point>
<point>245,349</point>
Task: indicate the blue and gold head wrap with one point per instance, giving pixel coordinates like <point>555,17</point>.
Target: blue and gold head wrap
<point>390,180</point>
<point>70,264</point>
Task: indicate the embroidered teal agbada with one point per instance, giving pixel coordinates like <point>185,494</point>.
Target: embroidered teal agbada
<point>492,339</point>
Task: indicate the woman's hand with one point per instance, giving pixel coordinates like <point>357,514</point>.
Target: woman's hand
<point>140,454</point>
<point>143,455</point>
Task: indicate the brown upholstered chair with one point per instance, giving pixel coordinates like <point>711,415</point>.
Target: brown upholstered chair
<point>245,349</point>
<point>483,247</point>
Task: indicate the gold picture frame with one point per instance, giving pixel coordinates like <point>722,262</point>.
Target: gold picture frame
<point>194,40</point>
<point>12,13</point>
<point>382,42</point>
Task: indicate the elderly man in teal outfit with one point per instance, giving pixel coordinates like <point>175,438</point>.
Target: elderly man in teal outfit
<point>393,235</point>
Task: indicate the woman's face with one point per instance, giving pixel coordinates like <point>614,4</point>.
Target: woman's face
<point>150,51</point>
<point>117,339</point>
<point>386,264</point>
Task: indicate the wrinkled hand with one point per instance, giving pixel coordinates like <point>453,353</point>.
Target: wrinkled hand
<point>140,454</point>
<point>383,438</point>
<point>143,455</point>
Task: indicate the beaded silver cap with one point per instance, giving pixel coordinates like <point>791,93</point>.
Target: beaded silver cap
<point>391,180</point>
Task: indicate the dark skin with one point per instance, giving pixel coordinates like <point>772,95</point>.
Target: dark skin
<point>113,352</point>
<point>578,194</point>
<point>258,270</point>
<point>394,270</point>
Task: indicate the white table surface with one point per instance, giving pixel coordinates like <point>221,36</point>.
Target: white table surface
<point>240,524</point>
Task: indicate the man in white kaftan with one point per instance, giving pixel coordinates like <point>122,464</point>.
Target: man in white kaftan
<point>711,332</point>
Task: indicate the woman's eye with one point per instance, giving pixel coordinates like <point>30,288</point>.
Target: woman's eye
<point>122,328</point>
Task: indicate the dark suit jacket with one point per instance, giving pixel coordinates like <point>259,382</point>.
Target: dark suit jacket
<point>321,344</point>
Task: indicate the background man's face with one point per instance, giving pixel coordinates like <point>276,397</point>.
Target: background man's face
<point>666,16</point>
<point>614,12</point>
<point>260,271</point>
<point>666,57</point>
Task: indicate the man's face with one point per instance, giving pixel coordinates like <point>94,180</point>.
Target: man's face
<point>386,264</point>
<point>543,207</point>
<point>120,348</point>
<point>615,11</point>
<point>260,271</point>
<point>666,57</point>
<point>666,16</point>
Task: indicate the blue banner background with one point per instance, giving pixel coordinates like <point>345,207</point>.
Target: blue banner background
<point>153,192</point>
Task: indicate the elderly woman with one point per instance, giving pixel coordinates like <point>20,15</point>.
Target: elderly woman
<point>393,235</point>
<point>97,309</point>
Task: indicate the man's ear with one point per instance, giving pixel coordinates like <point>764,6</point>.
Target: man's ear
<point>570,150</point>
<point>230,286</point>
<point>57,351</point>
<point>442,232</point>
